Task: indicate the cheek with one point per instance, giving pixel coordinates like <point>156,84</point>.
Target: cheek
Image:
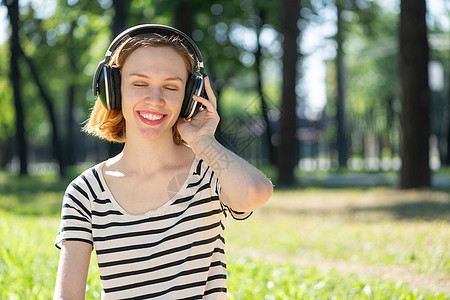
<point>131,95</point>
<point>175,101</point>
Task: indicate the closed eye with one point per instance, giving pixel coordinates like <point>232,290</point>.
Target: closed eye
<point>171,88</point>
<point>139,84</point>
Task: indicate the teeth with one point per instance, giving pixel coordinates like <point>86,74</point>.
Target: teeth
<point>150,116</point>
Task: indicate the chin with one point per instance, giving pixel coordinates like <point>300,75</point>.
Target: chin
<point>155,134</point>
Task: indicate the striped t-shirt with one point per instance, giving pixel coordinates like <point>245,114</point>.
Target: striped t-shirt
<point>174,252</point>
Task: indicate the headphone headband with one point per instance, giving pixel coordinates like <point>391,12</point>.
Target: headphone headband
<point>147,28</point>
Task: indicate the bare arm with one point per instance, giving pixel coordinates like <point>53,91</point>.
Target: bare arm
<point>244,188</point>
<point>72,270</point>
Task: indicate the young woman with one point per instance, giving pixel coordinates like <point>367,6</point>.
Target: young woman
<point>155,213</point>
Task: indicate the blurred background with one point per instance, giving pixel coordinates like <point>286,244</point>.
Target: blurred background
<point>344,104</point>
<point>305,87</point>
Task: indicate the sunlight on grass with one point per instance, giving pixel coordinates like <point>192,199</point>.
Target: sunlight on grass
<point>332,237</point>
<point>257,279</point>
<point>28,263</point>
<point>29,260</point>
<point>278,253</point>
<point>342,230</point>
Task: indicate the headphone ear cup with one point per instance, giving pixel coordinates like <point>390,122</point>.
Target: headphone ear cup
<point>109,87</point>
<point>194,86</point>
<point>102,85</point>
<point>116,93</point>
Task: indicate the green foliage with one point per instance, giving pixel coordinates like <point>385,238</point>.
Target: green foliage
<point>372,85</point>
<point>67,43</point>
<point>7,116</point>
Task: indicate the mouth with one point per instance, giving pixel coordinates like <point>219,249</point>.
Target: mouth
<point>150,117</point>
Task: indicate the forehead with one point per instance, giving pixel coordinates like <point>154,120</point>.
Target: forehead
<point>161,60</point>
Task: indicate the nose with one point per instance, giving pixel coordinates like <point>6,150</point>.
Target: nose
<point>154,96</point>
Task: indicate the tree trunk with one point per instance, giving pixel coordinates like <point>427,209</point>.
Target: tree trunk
<point>71,96</point>
<point>13,12</point>
<point>120,16</point>
<point>264,108</point>
<point>414,95</point>
<point>447,159</point>
<point>48,103</point>
<point>71,135</point>
<point>184,16</point>
<point>287,151</point>
<point>342,143</point>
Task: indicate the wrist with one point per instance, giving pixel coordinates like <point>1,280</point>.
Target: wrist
<point>203,145</point>
<point>211,151</point>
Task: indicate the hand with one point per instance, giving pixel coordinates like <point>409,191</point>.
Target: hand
<point>203,125</point>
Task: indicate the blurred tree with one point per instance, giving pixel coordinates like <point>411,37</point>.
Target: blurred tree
<point>48,102</point>
<point>439,68</point>
<point>259,22</point>
<point>184,15</point>
<point>119,23</point>
<point>7,112</point>
<point>447,148</point>
<point>372,85</point>
<point>13,13</point>
<point>71,93</point>
<point>288,145</point>
<point>447,159</point>
<point>415,95</point>
<point>342,143</point>
<point>349,14</point>
<point>79,27</point>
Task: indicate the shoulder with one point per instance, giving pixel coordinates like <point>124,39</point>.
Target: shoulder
<point>87,183</point>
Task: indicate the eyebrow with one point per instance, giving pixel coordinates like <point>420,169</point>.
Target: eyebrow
<point>170,78</point>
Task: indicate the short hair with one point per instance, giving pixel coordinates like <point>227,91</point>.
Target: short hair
<point>110,125</point>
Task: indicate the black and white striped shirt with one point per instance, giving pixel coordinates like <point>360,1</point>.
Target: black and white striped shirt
<point>174,252</point>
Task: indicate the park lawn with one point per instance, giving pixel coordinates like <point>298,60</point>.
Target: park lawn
<point>353,225</point>
<point>266,253</point>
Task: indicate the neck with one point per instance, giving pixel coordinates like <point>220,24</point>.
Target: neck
<point>143,156</point>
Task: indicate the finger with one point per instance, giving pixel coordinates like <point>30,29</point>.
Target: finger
<point>210,92</point>
<point>205,102</point>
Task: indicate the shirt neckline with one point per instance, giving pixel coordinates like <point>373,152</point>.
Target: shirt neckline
<point>152,211</point>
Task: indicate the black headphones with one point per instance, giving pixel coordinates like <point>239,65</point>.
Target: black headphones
<point>107,77</point>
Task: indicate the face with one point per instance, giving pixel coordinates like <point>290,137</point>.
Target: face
<point>153,84</point>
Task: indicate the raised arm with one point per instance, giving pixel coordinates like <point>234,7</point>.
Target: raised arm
<point>244,187</point>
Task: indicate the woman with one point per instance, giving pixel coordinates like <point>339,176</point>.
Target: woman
<point>155,213</point>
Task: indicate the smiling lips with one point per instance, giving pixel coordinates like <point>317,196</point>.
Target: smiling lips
<point>151,117</point>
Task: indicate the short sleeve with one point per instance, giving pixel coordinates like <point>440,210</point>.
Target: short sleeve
<point>235,214</point>
<point>76,214</point>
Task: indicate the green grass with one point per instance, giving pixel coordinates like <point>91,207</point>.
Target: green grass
<point>288,249</point>
<point>257,279</point>
<point>335,237</point>
<point>40,195</point>
<point>29,260</point>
